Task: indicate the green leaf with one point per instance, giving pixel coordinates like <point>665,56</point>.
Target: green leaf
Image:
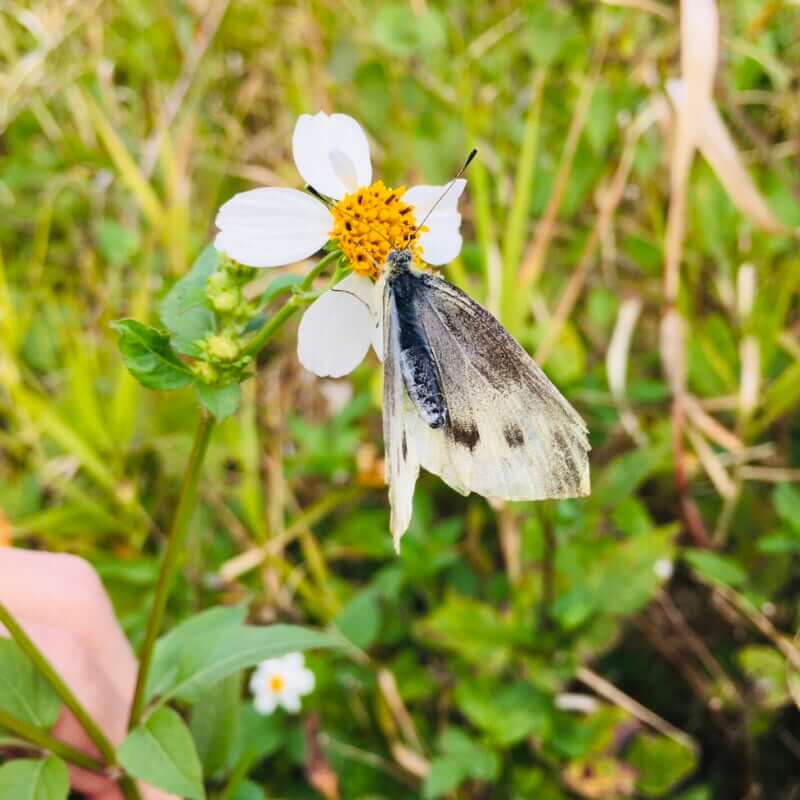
<point>461,760</point>
<point>28,779</point>
<point>221,401</point>
<point>249,791</point>
<point>161,752</point>
<point>184,311</point>
<point>509,714</point>
<point>149,356</point>
<point>193,657</point>
<point>767,670</point>
<point>259,736</point>
<point>24,693</point>
<point>166,667</point>
<point>716,567</point>
<point>360,619</point>
<point>472,629</point>
<point>215,723</point>
<point>660,762</point>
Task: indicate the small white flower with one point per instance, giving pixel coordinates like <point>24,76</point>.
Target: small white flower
<point>663,568</point>
<point>272,227</point>
<point>281,682</point>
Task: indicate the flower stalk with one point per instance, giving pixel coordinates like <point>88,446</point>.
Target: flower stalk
<point>166,575</point>
<point>188,492</point>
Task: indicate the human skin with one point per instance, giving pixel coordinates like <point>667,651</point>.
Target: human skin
<point>62,605</point>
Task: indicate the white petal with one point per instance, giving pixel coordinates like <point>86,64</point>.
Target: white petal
<point>272,227</point>
<point>336,331</point>
<point>303,681</point>
<point>442,242</point>
<point>292,662</point>
<point>265,703</point>
<point>290,701</point>
<point>331,153</point>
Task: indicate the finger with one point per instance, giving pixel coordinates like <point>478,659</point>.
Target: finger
<point>64,591</point>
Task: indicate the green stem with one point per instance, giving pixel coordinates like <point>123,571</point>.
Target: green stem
<point>43,740</point>
<point>270,328</point>
<point>169,563</point>
<point>43,665</point>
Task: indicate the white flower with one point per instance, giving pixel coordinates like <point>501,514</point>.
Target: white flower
<point>663,568</point>
<point>271,227</point>
<point>281,682</point>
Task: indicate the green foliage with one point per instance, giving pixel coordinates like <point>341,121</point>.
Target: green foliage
<point>221,401</point>
<point>460,759</point>
<point>28,779</point>
<point>213,645</point>
<point>477,637</point>
<point>149,356</point>
<point>24,693</point>
<point>661,763</point>
<point>184,310</point>
<point>161,752</point>
<point>215,723</point>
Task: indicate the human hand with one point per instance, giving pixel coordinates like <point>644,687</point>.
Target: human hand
<point>60,602</point>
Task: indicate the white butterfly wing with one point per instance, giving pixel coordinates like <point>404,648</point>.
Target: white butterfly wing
<point>399,414</point>
<point>511,434</point>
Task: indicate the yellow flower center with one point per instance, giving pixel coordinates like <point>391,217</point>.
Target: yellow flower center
<point>275,684</point>
<point>370,222</point>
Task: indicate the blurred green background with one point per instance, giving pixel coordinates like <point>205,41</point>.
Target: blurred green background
<point>600,648</point>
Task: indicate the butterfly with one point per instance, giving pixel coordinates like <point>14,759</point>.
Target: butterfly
<point>464,400</point>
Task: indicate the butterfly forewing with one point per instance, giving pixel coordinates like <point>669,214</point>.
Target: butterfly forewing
<point>509,433</point>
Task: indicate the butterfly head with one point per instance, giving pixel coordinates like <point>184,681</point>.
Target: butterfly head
<point>400,260</point>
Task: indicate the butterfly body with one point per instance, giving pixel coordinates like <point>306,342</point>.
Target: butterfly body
<point>463,400</point>
<point>417,361</point>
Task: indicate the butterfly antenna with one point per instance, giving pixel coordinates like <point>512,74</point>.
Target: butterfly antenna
<point>450,185</point>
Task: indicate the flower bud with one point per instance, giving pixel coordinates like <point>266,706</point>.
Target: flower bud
<point>221,347</point>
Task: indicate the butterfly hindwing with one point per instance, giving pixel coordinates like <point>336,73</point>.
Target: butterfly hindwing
<point>402,463</point>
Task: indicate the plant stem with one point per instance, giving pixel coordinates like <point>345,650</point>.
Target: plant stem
<point>257,343</point>
<point>189,490</point>
<point>42,739</point>
<point>47,670</point>
<point>166,575</point>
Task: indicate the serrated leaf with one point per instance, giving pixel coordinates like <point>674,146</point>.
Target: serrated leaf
<point>221,401</point>
<point>149,356</point>
<point>161,752</point>
<point>24,693</point>
<point>29,779</point>
<point>184,311</point>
